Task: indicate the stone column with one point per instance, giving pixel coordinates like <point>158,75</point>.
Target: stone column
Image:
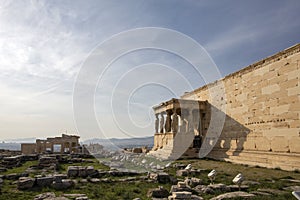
<point>168,122</point>
<point>195,121</point>
<point>62,148</point>
<point>190,121</point>
<point>161,123</point>
<point>183,123</point>
<point>156,123</point>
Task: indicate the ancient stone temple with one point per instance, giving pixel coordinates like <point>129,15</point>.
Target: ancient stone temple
<point>63,144</point>
<point>251,116</point>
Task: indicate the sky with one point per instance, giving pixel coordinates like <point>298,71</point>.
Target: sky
<point>44,45</point>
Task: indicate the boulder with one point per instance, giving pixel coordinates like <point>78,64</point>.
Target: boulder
<point>163,177</point>
<point>193,182</point>
<point>25,183</point>
<point>64,184</point>
<point>158,193</point>
<point>212,189</point>
<point>72,171</point>
<point>44,181</point>
<point>181,195</point>
<point>59,177</point>
<point>182,172</point>
<point>95,180</point>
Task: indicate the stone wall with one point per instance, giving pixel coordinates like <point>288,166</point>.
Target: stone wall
<point>262,108</point>
<point>28,148</point>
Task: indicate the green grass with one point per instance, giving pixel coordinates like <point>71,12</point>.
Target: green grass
<point>269,178</point>
<point>95,163</point>
<point>20,169</point>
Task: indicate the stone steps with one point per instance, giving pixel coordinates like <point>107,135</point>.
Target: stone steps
<point>285,161</point>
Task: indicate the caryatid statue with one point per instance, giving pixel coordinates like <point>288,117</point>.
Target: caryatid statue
<point>156,123</point>
<point>175,122</point>
<point>162,122</point>
<point>168,123</point>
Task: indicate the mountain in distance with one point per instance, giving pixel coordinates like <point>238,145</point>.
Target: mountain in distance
<point>123,142</point>
<point>20,140</point>
<point>112,143</point>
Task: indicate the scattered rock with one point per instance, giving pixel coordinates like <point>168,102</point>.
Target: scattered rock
<point>47,161</point>
<point>59,177</point>
<point>293,188</point>
<point>44,181</point>
<point>182,172</point>
<point>25,183</point>
<point>260,193</point>
<point>3,169</point>
<point>158,193</point>
<point>250,183</point>
<point>163,177</point>
<point>15,176</point>
<point>195,197</point>
<point>270,191</point>
<point>74,196</point>
<point>180,187</point>
<point>212,189</point>
<point>233,195</point>
<point>64,184</point>
<point>48,195</point>
<point>233,188</point>
<point>94,180</point>
<point>180,195</point>
<point>193,182</point>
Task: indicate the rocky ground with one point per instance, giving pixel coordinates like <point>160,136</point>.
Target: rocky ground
<point>136,176</point>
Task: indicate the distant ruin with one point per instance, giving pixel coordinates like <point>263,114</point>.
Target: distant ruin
<point>261,107</point>
<point>63,144</point>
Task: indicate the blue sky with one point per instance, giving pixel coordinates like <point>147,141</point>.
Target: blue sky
<point>43,44</point>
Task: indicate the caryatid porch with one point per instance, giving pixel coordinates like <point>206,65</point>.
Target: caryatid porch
<point>180,119</point>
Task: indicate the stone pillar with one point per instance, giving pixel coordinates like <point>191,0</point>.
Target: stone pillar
<point>195,121</point>
<point>62,148</point>
<point>161,123</point>
<point>156,123</point>
<point>183,122</point>
<point>174,122</point>
<point>168,122</point>
<point>189,119</point>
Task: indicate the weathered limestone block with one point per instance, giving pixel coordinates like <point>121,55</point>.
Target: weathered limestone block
<point>48,195</point>
<point>294,144</point>
<point>263,144</point>
<point>44,181</point>
<point>158,193</point>
<point>163,177</point>
<point>25,183</point>
<point>279,144</point>
<point>72,171</point>
<point>270,89</point>
<point>182,172</point>
<point>180,195</point>
<point>59,177</point>
<point>279,109</point>
<point>64,184</point>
